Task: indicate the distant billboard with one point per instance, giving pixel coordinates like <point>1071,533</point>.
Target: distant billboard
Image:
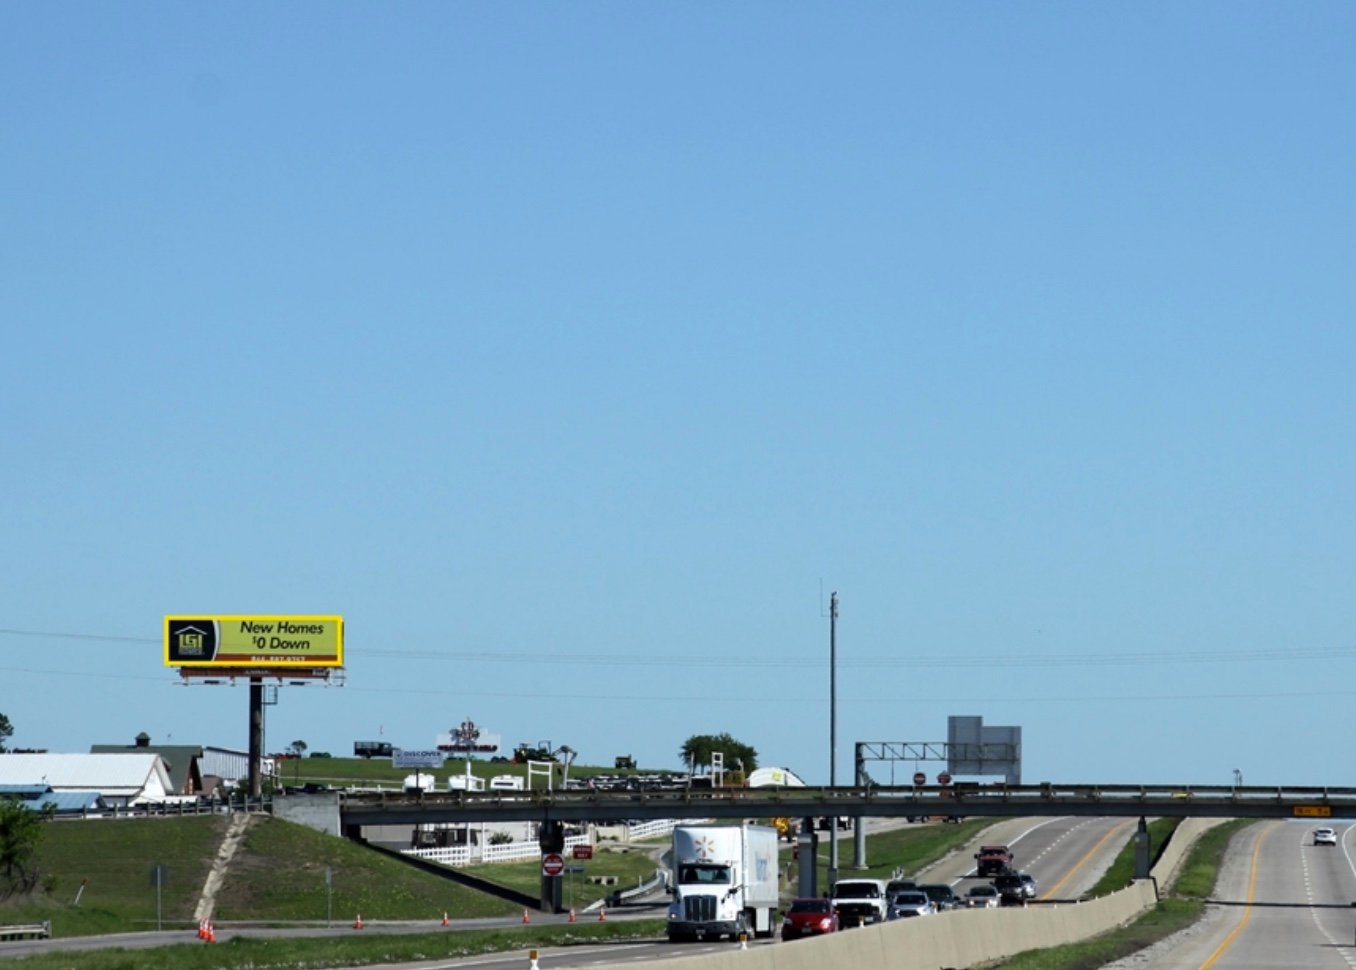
<point>400,758</point>
<point>297,642</point>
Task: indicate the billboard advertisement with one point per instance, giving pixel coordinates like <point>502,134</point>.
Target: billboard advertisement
<point>254,641</point>
<point>400,758</point>
<point>468,738</point>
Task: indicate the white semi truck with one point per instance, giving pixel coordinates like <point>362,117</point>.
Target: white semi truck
<point>724,881</point>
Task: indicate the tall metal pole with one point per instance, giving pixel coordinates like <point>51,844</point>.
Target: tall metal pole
<point>833,733</point>
<point>256,737</point>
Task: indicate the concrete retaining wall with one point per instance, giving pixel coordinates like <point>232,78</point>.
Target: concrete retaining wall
<point>958,939</point>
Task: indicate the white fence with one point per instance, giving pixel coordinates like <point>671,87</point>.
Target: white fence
<point>648,830</point>
<point>461,855</point>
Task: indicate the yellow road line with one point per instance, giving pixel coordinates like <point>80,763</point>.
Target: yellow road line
<point>1086,856</point>
<point>1247,910</point>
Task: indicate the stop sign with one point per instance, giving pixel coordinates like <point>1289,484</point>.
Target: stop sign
<point>919,778</point>
<point>943,779</point>
<point>552,864</point>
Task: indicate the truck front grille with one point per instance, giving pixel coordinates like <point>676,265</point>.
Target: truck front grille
<point>699,909</point>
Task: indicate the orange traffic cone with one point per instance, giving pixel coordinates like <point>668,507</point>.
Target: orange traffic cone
<point>602,914</point>
<point>444,917</point>
<point>526,917</point>
<point>211,932</point>
<point>571,914</point>
<point>358,922</point>
<point>202,929</point>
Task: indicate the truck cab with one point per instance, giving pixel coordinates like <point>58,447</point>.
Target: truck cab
<point>993,860</point>
<point>859,901</point>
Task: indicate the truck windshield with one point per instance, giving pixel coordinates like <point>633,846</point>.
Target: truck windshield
<point>693,874</point>
<point>847,890</point>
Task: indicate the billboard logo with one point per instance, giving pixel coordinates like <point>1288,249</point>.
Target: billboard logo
<point>192,642</point>
<point>192,639</point>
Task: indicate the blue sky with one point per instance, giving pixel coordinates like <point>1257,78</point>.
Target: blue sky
<point>574,353</point>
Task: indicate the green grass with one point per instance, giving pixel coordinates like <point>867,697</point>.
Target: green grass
<point>630,864</point>
<point>378,771</point>
<point>277,876</point>
<point>1174,912</point>
<point>1121,872</point>
<point>349,950</point>
<point>112,860</point>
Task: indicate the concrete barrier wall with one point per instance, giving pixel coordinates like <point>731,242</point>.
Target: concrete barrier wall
<point>958,939</point>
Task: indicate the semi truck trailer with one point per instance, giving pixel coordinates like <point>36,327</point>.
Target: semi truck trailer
<point>724,882</point>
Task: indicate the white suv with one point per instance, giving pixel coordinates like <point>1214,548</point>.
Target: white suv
<point>1325,836</point>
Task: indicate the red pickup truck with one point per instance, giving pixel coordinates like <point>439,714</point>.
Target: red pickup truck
<point>993,860</point>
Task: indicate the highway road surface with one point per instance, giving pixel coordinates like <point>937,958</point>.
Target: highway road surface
<point>1281,901</point>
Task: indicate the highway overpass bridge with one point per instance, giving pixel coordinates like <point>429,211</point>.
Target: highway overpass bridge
<point>954,801</point>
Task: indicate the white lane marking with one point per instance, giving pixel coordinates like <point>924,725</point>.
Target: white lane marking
<point>1342,947</point>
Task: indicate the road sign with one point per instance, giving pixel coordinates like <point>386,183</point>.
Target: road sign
<point>944,778</point>
<point>552,864</point>
<point>583,852</point>
<point>1313,811</point>
<point>919,778</point>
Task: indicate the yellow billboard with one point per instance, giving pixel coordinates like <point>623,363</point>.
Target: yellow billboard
<point>254,641</point>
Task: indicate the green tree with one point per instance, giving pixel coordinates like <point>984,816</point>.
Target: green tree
<point>6,729</point>
<point>20,836</point>
<point>697,750</point>
<point>298,748</point>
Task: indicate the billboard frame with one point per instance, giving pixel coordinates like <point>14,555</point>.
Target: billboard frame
<point>317,639</point>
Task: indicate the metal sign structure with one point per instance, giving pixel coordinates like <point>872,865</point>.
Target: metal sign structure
<point>213,649</point>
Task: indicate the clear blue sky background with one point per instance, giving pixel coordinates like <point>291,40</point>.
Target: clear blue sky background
<point>575,353</point>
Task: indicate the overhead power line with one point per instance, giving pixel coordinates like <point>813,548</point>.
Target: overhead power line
<point>914,659</point>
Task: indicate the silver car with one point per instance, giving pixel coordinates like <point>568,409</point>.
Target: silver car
<point>982,897</point>
<point>909,902</point>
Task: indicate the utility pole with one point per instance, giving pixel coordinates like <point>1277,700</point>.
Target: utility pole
<point>833,734</point>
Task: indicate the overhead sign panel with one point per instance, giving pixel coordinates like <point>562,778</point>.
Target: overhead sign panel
<point>254,641</point>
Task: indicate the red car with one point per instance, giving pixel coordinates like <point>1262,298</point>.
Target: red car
<point>809,917</point>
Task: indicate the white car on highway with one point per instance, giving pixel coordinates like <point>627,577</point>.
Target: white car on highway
<point>1325,836</point>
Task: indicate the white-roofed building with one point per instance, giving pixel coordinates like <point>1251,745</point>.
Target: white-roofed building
<point>120,779</point>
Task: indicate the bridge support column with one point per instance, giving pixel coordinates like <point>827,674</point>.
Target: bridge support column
<point>1142,850</point>
<point>807,848</point>
<point>859,823</point>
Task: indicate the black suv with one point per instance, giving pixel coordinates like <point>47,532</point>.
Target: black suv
<point>1014,888</point>
<point>899,885</point>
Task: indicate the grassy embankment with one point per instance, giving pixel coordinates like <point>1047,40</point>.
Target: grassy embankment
<point>278,878</point>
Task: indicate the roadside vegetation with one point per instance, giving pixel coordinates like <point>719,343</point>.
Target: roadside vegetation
<point>96,879</point>
<point>354,950</point>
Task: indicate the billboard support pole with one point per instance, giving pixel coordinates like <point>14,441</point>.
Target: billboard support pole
<point>256,736</point>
